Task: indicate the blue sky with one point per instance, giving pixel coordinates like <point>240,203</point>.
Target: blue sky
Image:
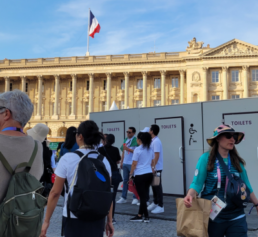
<point>45,28</point>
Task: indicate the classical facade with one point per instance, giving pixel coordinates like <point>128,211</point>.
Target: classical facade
<point>65,90</point>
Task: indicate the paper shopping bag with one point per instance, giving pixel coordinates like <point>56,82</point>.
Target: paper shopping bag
<point>193,221</point>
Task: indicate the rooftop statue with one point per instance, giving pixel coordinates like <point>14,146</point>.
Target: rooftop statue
<point>193,45</point>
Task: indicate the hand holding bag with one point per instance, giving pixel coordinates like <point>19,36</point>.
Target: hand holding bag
<point>193,221</point>
<point>156,179</point>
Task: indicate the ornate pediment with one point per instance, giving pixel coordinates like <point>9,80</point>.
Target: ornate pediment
<point>233,48</point>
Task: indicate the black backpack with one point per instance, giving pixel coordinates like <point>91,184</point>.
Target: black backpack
<point>92,198</point>
<point>237,191</point>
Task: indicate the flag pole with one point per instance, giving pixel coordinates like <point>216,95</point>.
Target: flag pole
<point>88,53</point>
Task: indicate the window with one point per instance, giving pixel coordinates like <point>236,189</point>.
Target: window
<point>70,86</point>
<point>26,87</point>
<point>215,76</point>
<point>86,108</point>
<point>70,108</point>
<point>139,84</point>
<point>43,87</point>
<point>122,104</point>
<point>104,84</point>
<point>175,82</point>
<point>35,111</point>
<point>87,85</point>
<point>59,108</point>
<point>53,108</point>
<point>139,103</point>
<point>235,96</point>
<point>42,109</point>
<point>156,103</point>
<point>254,75</point>
<point>11,86</point>
<point>174,102</point>
<point>157,83</point>
<point>104,106</point>
<point>235,75</point>
<point>254,95</point>
<point>54,88</point>
<point>122,84</point>
<point>215,97</point>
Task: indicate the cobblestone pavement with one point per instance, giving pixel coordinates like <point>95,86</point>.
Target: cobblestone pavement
<point>125,228</point>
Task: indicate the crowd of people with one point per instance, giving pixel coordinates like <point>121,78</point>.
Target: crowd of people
<point>86,170</point>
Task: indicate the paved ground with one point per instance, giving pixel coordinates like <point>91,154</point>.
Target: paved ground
<point>124,228</point>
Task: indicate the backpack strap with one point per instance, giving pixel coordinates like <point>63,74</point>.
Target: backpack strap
<point>6,164</point>
<point>100,157</point>
<point>79,153</point>
<point>225,168</point>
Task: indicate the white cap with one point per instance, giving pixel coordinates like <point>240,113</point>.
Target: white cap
<point>39,132</point>
<point>146,129</point>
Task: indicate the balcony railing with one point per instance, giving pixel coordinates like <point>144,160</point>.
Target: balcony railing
<point>91,59</point>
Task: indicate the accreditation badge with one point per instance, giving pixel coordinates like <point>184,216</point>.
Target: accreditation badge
<point>216,207</point>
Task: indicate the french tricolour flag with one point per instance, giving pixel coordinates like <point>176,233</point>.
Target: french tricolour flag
<point>94,25</point>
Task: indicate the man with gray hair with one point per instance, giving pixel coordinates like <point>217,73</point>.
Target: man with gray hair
<point>15,111</point>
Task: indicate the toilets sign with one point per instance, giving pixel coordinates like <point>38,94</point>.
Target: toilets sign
<point>241,122</point>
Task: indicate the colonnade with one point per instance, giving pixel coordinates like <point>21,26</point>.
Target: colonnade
<point>205,86</point>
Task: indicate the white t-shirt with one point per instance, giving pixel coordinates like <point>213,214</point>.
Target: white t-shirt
<point>53,161</point>
<point>156,146</point>
<point>128,156</point>
<point>143,156</point>
<point>67,166</point>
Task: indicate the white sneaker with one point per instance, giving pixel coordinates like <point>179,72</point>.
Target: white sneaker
<point>122,200</point>
<point>135,201</point>
<point>158,209</point>
<point>148,203</point>
<point>152,206</point>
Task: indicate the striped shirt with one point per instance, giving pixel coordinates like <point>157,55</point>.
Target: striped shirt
<point>205,182</point>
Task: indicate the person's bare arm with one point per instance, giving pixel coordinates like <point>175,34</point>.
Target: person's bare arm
<point>109,225</point>
<point>122,160</point>
<point>52,202</point>
<point>133,167</point>
<point>254,200</point>
<point>156,158</point>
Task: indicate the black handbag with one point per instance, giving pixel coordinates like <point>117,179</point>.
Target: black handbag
<point>236,190</point>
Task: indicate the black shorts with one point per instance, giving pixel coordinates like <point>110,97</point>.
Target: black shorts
<point>79,228</point>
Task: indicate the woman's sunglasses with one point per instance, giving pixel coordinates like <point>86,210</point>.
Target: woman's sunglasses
<point>230,135</point>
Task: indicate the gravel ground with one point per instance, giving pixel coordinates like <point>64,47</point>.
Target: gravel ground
<point>125,228</point>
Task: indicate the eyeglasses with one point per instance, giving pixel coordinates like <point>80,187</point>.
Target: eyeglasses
<point>230,135</point>
<point>128,132</point>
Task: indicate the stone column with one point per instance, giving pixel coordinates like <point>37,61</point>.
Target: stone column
<point>23,83</point>
<point>126,74</point>
<point>74,82</point>
<point>245,80</point>
<point>205,84</point>
<point>39,111</point>
<point>144,89</point>
<point>7,84</point>
<point>163,84</point>
<point>108,90</point>
<point>225,82</point>
<point>182,82</point>
<point>91,93</point>
<point>57,81</point>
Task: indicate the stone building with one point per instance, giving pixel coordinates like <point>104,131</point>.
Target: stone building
<point>72,87</point>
